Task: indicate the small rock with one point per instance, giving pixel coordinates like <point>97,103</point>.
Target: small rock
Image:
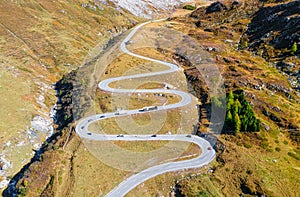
<point>3,184</point>
<point>228,41</point>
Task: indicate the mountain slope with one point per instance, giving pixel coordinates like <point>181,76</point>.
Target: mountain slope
<point>145,8</point>
<point>40,42</point>
<point>249,163</point>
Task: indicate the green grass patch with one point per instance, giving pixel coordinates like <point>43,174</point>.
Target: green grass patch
<point>189,7</point>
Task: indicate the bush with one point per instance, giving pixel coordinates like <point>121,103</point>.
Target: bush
<point>277,149</point>
<point>22,191</point>
<point>247,146</point>
<point>203,194</point>
<point>294,155</point>
<point>189,7</point>
<point>294,48</point>
<point>243,43</point>
<point>265,145</point>
<point>25,183</point>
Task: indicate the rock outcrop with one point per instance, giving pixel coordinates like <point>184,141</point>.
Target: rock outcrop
<point>216,7</point>
<point>278,26</point>
<point>145,8</point>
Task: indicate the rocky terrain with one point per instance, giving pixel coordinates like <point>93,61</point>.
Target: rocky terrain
<point>145,8</point>
<point>274,33</point>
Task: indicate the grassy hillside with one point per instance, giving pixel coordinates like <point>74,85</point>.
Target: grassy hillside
<point>40,42</point>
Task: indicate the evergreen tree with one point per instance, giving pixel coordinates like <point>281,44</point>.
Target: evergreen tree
<point>237,123</point>
<point>229,118</point>
<point>237,106</point>
<point>230,101</point>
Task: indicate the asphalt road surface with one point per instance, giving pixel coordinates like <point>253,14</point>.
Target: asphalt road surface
<point>207,153</point>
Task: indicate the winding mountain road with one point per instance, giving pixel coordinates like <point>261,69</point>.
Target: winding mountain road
<point>207,153</point>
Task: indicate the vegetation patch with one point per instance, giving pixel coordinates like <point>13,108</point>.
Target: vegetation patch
<point>240,115</point>
<point>189,7</point>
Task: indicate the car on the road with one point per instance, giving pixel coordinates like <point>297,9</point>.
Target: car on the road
<point>122,112</point>
<point>153,135</point>
<point>209,148</point>
<point>90,120</point>
<point>101,116</point>
<point>82,127</point>
<point>120,135</point>
<point>149,108</point>
<point>188,135</point>
<point>129,42</point>
<point>89,133</point>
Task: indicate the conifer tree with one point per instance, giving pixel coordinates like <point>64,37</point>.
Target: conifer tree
<point>229,118</point>
<point>237,123</point>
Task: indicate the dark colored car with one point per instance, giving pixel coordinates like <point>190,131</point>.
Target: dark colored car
<point>153,135</point>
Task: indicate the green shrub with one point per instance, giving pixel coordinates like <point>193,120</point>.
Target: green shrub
<point>243,43</point>
<point>189,7</point>
<point>265,145</point>
<point>294,155</point>
<point>203,194</point>
<point>294,48</point>
<point>277,149</point>
<point>247,146</point>
<point>22,191</point>
<point>51,180</point>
